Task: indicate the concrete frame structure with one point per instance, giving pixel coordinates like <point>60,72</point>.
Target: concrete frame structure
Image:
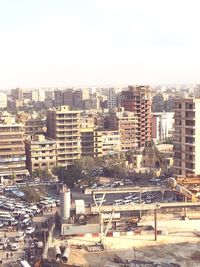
<point>138,100</point>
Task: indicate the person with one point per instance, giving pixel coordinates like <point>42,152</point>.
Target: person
<point>11,255</point>
<point>7,256</point>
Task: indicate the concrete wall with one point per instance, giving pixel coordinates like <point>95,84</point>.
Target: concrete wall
<point>69,229</point>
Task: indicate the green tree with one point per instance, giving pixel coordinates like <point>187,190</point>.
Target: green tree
<point>151,152</point>
<point>43,174</point>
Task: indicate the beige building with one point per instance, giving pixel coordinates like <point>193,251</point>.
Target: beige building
<point>126,123</point>
<point>40,153</point>
<point>63,125</point>
<point>12,151</point>
<point>187,136</point>
<point>91,142</point>
<point>3,100</point>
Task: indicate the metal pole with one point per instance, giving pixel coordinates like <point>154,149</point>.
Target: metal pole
<point>101,228</point>
<point>162,195</point>
<point>155,223</point>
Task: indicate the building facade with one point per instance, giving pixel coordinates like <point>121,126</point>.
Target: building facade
<point>138,100</point>
<point>40,153</point>
<point>186,136</point>
<point>12,151</point>
<point>112,99</point>
<point>126,123</point>
<point>162,126</point>
<point>63,125</point>
<point>3,100</point>
<point>91,142</point>
<point>110,143</point>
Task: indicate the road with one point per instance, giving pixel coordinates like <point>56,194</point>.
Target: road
<point>77,194</point>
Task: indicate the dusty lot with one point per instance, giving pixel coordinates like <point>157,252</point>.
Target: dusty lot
<point>179,246</point>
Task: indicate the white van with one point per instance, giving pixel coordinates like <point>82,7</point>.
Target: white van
<point>128,197</point>
<point>118,202</point>
<point>135,199</point>
<point>128,201</point>
<point>9,206</point>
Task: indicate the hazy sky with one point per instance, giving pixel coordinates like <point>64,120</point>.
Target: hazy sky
<point>91,42</point>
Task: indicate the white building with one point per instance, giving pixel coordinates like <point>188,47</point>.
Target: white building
<point>3,100</point>
<point>162,125</point>
<point>112,99</point>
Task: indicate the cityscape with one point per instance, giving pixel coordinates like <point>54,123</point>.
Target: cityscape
<point>99,133</point>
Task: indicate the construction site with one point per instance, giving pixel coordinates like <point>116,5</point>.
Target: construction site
<point>131,233</point>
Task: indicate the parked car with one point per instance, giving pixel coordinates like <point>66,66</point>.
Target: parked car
<point>4,243</point>
<point>14,246</point>
<point>30,230</point>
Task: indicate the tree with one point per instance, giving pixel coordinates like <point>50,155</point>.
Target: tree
<point>12,178</point>
<point>43,174</point>
<point>151,152</point>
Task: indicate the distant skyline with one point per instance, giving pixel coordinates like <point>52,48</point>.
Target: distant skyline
<point>48,43</point>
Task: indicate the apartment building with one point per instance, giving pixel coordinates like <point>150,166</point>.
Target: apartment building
<point>40,153</point>
<point>12,150</point>
<point>126,123</point>
<point>111,143</point>
<point>138,100</point>
<point>32,124</point>
<point>112,98</point>
<point>186,136</point>
<point>91,142</point>
<point>63,125</point>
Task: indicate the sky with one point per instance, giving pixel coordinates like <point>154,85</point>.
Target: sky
<point>58,43</point>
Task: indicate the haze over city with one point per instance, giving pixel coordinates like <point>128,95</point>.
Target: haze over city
<point>71,43</point>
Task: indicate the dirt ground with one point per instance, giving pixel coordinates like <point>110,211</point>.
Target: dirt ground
<point>183,249</point>
<point>179,246</point>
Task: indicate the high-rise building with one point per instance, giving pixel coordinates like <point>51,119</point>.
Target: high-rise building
<point>17,94</point>
<point>12,150</point>
<point>40,153</point>
<point>112,98</point>
<point>3,100</point>
<point>186,136</point>
<point>138,100</point>
<point>63,125</point>
<point>58,98</point>
<point>68,98</point>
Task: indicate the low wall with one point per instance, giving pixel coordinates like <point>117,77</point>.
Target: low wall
<point>70,229</point>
